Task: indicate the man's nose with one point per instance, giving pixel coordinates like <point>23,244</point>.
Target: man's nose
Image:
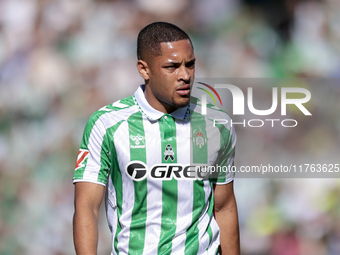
<point>184,74</point>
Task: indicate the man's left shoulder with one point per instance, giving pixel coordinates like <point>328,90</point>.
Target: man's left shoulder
<point>212,111</point>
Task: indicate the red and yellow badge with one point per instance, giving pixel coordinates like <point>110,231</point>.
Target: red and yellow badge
<point>82,155</point>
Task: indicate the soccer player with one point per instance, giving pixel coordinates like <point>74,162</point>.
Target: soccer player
<point>140,152</point>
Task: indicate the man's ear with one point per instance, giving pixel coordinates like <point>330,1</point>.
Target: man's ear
<point>143,69</point>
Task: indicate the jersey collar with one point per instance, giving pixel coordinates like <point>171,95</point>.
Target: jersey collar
<point>153,114</point>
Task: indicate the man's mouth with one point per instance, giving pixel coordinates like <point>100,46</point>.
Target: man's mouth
<point>183,90</point>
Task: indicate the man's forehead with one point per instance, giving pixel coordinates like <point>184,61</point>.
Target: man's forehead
<point>174,48</point>
<point>176,44</point>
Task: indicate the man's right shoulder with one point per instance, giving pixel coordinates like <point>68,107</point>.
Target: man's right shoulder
<point>113,113</point>
<point>115,107</point>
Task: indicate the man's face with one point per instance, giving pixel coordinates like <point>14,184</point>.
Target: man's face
<point>171,76</point>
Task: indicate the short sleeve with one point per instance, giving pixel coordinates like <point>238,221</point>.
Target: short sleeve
<point>225,159</point>
<point>93,160</point>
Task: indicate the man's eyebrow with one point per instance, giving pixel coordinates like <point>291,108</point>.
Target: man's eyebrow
<point>173,62</point>
<point>170,62</point>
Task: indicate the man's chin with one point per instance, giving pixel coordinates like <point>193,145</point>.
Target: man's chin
<point>182,103</point>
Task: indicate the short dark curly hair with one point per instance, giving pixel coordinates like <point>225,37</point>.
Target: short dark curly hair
<point>150,38</point>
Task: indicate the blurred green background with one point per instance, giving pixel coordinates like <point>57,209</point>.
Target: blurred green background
<point>61,60</point>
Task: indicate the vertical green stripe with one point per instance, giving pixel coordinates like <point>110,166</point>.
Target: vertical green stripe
<point>116,178</point>
<point>138,152</point>
<point>106,152</point>
<point>199,138</point>
<point>199,155</point>
<point>192,238</point>
<point>167,128</point>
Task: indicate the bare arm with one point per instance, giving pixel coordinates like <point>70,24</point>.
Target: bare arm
<point>87,200</point>
<point>225,212</point>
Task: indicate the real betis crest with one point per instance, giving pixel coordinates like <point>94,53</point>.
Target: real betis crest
<point>199,138</point>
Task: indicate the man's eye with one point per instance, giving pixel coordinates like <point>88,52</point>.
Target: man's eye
<point>191,65</point>
<point>169,67</point>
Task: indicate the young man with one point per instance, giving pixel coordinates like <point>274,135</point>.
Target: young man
<point>140,148</point>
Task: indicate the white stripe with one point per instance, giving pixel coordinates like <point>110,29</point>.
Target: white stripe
<point>119,104</point>
<point>214,142</point>
<point>95,182</point>
<point>93,164</point>
<point>185,189</point>
<point>154,196</point>
<point>123,155</point>
<point>204,221</point>
<point>111,210</point>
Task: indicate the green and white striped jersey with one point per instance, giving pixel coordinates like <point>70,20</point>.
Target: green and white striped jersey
<point>144,158</point>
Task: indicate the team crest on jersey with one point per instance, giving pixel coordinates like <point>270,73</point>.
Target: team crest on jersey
<point>199,138</point>
<point>169,153</point>
<point>82,156</point>
<point>138,139</point>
